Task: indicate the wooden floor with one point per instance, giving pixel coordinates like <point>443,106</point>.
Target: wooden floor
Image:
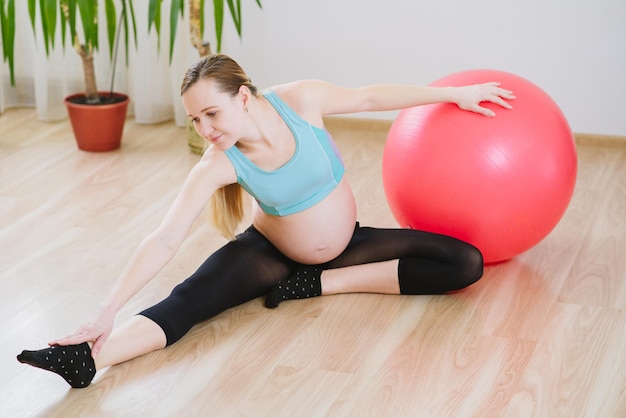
<point>543,335</point>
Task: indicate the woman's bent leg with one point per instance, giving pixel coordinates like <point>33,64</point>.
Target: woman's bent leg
<point>380,277</point>
<point>428,263</point>
<point>425,263</point>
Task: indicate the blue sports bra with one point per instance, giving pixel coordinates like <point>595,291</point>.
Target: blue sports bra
<point>315,169</point>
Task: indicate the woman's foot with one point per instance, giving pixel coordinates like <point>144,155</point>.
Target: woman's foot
<point>306,283</point>
<point>72,362</point>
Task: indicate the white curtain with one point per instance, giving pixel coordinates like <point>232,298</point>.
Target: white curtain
<point>148,78</point>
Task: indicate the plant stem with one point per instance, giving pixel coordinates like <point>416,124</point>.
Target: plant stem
<point>91,89</point>
<point>194,29</point>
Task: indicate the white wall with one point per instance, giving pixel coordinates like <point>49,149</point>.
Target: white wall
<point>573,49</point>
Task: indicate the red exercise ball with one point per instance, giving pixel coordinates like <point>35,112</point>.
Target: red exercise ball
<point>501,184</point>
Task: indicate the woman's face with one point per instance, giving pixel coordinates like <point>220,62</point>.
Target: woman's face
<point>217,116</point>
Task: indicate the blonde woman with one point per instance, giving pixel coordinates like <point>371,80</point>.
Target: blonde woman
<point>304,240</point>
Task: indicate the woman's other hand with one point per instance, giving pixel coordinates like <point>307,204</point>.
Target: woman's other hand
<point>470,97</point>
<point>96,331</point>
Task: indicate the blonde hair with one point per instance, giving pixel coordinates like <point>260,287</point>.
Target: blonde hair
<point>227,203</point>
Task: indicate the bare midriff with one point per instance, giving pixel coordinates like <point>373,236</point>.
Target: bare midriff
<point>315,235</point>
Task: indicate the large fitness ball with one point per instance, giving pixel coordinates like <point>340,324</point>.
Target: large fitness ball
<point>501,184</point>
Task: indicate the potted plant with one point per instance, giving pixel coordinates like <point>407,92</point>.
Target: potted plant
<point>97,117</point>
<point>196,10</point>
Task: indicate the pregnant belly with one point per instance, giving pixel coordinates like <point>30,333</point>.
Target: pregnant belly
<point>316,235</point>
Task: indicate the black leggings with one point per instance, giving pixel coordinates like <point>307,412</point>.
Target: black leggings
<point>250,266</point>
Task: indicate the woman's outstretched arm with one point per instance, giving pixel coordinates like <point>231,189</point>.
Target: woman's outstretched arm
<point>156,250</point>
<point>331,99</point>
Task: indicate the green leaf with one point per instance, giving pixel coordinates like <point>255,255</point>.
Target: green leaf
<point>153,7</point>
<point>154,17</point>
<point>71,18</point>
<point>134,22</point>
<point>218,11</point>
<point>177,7</point>
<point>51,17</point>
<point>111,16</point>
<point>125,24</point>
<point>48,10</point>
<point>4,24</point>
<point>7,20</point>
<point>32,12</point>
<point>89,19</point>
<point>235,13</point>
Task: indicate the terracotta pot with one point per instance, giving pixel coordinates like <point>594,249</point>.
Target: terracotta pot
<point>98,128</point>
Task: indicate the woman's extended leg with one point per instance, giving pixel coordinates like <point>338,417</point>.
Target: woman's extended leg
<point>242,270</point>
<point>388,261</point>
<point>136,337</point>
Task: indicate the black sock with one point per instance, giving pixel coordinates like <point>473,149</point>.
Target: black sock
<point>72,362</point>
<point>305,283</point>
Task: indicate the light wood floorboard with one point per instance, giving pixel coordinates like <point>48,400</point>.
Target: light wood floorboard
<point>543,335</point>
